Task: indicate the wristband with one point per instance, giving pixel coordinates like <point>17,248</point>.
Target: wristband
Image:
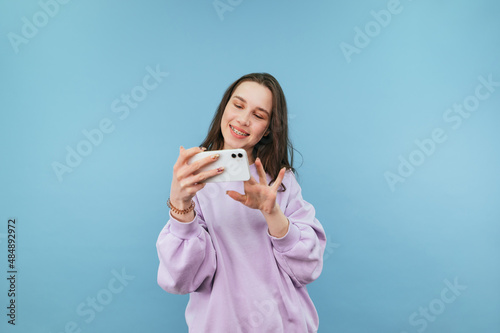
<point>179,211</point>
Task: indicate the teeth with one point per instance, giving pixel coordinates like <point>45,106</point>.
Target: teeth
<point>238,132</point>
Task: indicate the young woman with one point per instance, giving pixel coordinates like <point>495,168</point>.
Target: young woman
<point>243,250</point>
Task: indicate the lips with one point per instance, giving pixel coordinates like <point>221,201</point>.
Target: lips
<point>238,131</point>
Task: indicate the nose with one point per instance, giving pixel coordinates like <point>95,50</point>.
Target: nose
<point>244,118</point>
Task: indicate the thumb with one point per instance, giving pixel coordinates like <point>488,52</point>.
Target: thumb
<point>237,196</point>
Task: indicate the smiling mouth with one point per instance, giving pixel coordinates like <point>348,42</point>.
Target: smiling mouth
<point>238,132</point>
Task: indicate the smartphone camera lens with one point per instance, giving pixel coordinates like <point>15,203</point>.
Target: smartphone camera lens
<point>240,155</point>
<point>233,155</point>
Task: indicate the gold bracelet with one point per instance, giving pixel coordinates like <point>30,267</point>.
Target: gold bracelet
<point>179,211</point>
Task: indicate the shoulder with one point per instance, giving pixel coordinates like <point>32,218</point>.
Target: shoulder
<point>290,182</point>
<point>290,176</point>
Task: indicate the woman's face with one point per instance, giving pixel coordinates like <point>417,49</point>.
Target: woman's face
<point>246,117</point>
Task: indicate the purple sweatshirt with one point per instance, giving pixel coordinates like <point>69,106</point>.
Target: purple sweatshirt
<point>240,278</point>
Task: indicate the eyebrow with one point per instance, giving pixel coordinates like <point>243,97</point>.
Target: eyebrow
<point>258,108</point>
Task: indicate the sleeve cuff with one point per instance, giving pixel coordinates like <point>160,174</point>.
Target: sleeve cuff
<point>287,242</point>
<point>185,230</point>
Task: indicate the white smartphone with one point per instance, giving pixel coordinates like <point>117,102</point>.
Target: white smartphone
<point>234,161</point>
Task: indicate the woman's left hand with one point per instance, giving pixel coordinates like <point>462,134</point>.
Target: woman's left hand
<point>259,195</point>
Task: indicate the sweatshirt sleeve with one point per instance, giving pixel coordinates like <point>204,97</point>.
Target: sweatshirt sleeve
<point>300,251</point>
<point>187,256</point>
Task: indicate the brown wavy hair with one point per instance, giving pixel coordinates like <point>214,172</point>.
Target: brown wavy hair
<point>275,150</point>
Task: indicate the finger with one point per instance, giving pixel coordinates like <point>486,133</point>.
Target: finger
<point>279,179</point>
<point>189,169</point>
<point>199,178</point>
<point>193,189</point>
<point>186,154</point>
<point>186,183</point>
<point>251,181</point>
<point>186,192</point>
<point>201,163</point>
<point>203,176</point>
<point>261,172</point>
<point>237,196</point>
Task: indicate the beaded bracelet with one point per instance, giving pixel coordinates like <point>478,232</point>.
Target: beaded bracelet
<point>179,211</point>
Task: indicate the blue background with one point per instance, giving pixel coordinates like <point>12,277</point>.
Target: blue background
<point>390,250</point>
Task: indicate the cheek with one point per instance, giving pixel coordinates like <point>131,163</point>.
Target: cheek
<point>227,115</point>
<point>224,117</point>
<point>267,127</point>
<point>263,129</point>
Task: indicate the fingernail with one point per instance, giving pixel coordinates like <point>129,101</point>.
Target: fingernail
<point>219,170</point>
<point>203,148</point>
<point>216,156</point>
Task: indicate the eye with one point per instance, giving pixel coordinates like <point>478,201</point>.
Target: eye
<point>259,116</point>
<point>238,106</point>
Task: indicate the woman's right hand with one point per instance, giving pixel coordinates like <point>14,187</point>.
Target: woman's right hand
<point>187,180</point>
